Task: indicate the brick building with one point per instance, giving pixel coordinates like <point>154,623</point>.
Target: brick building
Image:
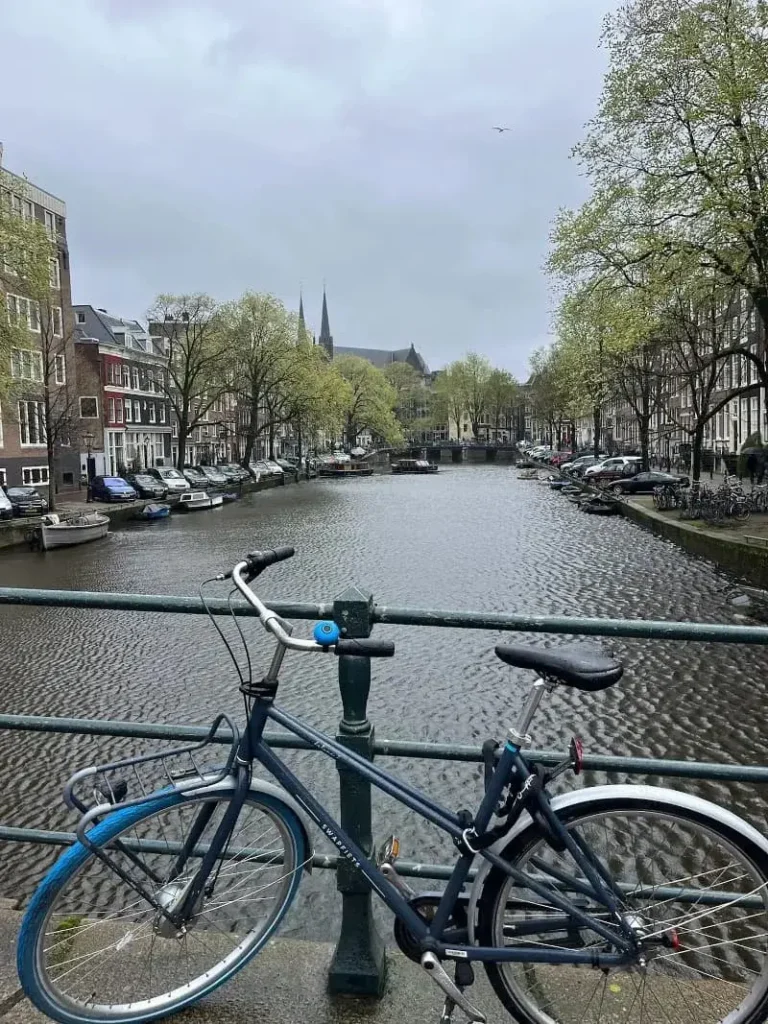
<point>122,402</point>
<point>23,444</point>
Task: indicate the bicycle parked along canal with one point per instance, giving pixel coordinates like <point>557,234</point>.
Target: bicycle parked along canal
<point>618,903</point>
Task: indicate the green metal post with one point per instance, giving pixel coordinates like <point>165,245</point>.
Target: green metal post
<point>359,964</point>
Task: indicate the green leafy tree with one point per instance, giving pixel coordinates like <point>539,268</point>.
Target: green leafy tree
<point>501,396</point>
<point>410,402</point>
<point>449,397</point>
<point>199,359</point>
<point>315,394</point>
<point>368,402</point>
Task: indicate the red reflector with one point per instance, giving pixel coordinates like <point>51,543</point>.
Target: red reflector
<point>577,755</point>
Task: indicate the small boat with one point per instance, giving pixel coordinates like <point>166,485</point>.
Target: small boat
<point>528,474</point>
<point>557,483</point>
<point>414,466</point>
<point>154,511</point>
<point>60,533</point>
<point>343,467</point>
<point>196,501</point>
<point>597,507</point>
<point>227,498</point>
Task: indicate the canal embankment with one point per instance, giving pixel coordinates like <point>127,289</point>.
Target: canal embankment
<point>739,549</point>
<point>16,532</point>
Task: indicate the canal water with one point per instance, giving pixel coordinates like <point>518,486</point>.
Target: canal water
<point>471,537</point>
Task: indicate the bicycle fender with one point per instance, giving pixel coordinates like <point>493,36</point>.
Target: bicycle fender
<point>671,798</point>
<point>269,789</point>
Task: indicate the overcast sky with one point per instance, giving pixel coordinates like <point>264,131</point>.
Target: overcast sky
<point>219,145</point>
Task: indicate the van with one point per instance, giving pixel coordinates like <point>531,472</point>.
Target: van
<point>6,508</point>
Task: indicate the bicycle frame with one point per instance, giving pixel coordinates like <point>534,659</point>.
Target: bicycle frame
<point>512,769</point>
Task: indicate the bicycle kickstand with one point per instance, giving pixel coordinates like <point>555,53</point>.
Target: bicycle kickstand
<point>454,991</point>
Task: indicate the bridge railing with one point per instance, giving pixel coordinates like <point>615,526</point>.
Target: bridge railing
<point>359,965</point>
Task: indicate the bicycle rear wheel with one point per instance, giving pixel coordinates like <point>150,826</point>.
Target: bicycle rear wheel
<point>698,892</point>
<point>93,949</point>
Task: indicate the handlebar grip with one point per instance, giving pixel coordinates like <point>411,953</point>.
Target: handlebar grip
<point>259,560</point>
<point>365,648</point>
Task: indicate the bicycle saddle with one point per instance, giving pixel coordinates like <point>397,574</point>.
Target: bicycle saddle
<point>581,665</point>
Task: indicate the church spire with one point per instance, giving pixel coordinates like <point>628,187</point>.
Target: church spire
<point>326,338</point>
<point>302,321</point>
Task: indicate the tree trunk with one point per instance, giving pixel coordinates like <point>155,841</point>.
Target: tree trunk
<point>271,440</point>
<point>644,427</point>
<point>182,444</point>
<point>52,477</point>
<point>698,442</point>
<point>597,422</point>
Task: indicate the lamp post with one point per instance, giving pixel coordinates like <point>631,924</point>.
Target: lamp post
<point>88,440</point>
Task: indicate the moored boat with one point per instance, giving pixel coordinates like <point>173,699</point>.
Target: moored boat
<point>414,466</point>
<point>339,467</point>
<point>60,533</point>
<point>195,501</point>
<point>528,474</point>
<point>154,511</point>
<point>230,497</point>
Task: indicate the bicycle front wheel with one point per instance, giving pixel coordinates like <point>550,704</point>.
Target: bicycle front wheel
<point>695,891</point>
<point>92,948</point>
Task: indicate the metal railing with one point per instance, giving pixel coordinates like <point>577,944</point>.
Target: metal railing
<point>358,965</point>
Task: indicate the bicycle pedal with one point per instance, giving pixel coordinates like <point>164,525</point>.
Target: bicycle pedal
<point>389,851</point>
<point>453,994</point>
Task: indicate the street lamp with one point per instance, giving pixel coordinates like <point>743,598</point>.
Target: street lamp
<point>88,439</point>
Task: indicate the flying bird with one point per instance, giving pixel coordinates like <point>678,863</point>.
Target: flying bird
<point>497,129</point>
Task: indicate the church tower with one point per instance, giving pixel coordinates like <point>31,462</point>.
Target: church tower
<point>326,338</point>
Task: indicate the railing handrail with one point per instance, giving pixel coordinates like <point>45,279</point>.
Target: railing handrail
<point>643,629</point>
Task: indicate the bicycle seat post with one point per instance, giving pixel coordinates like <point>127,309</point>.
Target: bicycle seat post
<point>519,734</point>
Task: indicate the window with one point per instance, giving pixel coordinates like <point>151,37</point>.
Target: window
<point>50,223</point>
<point>111,408</point>
<point>31,423</point>
<point>58,322</point>
<point>175,429</point>
<point>60,370</point>
<point>81,318</point>
<point>136,411</point>
<point>3,478</point>
<point>89,408</point>
<point>26,364</point>
<point>126,377</point>
<point>22,207</point>
<point>54,273</point>
<point>128,411</point>
<point>152,414</point>
<point>68,479</point>
<point>31,475</point>
<point>161,409</point>
<point>135,378</point>
<point>23,312</point>
<point>118,410</point>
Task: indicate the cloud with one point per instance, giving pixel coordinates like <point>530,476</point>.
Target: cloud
<point>240,144</point>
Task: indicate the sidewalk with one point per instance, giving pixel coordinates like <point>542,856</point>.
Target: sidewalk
<point>285,984</point>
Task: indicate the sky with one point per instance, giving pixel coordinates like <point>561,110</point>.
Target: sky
<point>225,145</point>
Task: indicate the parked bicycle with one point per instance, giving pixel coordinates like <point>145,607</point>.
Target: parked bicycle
<point>618,903</point>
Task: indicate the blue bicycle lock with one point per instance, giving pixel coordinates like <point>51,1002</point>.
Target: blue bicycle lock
<point>326,633</point>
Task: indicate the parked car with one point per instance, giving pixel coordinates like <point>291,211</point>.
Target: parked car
<point>6,508</point>
<point>644,483</point>
<point>259,469</point>
<point>273,467</point>
<point>198,481</point>
<point>582,463</point>
<point>112,488</point>
<point>147,486</point>
<point>287,467</point>
<point>233,472</point>
<point>559,458</point>
<point>613,469</point>
<point>26,501</point>
<point>170,478</point>
<point>214,477</point>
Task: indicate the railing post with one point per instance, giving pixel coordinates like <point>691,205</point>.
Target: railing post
<point>359,964</point>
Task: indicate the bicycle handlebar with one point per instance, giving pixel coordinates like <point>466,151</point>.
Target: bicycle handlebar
<point>255,563</point>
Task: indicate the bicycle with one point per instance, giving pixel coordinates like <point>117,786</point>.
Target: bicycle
<point>596,905</point>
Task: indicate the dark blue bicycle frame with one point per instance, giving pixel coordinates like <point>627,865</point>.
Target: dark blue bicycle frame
<point>512,770</point>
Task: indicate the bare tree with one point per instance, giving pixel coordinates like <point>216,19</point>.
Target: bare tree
<point>199,361</point>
